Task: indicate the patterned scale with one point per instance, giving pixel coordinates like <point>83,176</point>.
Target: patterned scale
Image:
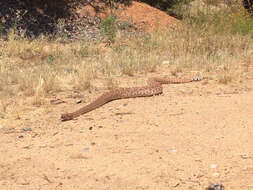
<point>153,87</point>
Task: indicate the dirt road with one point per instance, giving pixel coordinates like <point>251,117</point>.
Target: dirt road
<point>173,141</point>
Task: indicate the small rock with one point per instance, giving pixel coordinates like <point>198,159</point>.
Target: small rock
<point>55,133</point>
<point>90,128</point>
<point>166,62</point>
<point>245,156</point>
<point>56,101</point>
<point>79,101</point>
<point>215,186</point>
<point>27,129</point>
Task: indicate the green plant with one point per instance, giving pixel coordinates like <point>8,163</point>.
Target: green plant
<point>50,59</point>
<point>178,8</point>
<point>214,17</point>
<point>126,25</point>
<point>109,28</point>
<point>241,23</point>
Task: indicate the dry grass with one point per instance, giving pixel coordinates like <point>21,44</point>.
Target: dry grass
<point>3,108</point>
<point>111,83</point>
<point>39,67</point>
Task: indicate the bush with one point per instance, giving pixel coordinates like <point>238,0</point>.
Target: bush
<point>220,18</point>
<point>109,28</point>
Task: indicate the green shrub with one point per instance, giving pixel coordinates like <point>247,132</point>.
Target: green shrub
<point>230,19</point>
<point>241,23</point>
<point>109,28</point>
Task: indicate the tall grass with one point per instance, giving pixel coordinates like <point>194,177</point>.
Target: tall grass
<point>213,43</point>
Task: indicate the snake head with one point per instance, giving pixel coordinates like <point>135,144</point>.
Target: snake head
<point>66,117</point>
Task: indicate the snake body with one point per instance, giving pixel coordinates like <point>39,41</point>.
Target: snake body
<point>153,87</point>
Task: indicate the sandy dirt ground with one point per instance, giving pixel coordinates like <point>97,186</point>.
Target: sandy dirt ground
<point>192,135</point>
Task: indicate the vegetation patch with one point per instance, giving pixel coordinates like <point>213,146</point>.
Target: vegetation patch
<point>216,44</point>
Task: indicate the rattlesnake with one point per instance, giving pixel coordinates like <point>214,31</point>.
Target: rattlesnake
<point>153,87</point>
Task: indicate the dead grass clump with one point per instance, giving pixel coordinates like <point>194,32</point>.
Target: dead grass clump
<point>224,17</point>
<point>137,56</point>
<point>40,80</point>
<point>39,93</point>
<point>111,83</point>
<point>225,78</point>
<point>180,50</point>
<point>21,47</point>
<point>213,43</point>
<point>41,66</point>
<point>135,62</point>
<point>8,80</point>
<point>83,75</point>
<point>3,108</point>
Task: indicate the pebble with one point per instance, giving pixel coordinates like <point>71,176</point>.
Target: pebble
<point>78,101</point>
<point>56,101</point>
<point>245,156</point>
<point>55,133</point>
<point>166,62</point>
<point>27,129</point>
<point>215,186</point>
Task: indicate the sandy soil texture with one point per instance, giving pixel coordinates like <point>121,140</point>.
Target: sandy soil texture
<point>192,135</point>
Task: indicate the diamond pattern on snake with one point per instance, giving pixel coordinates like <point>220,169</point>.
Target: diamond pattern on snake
<point>153,87</point>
